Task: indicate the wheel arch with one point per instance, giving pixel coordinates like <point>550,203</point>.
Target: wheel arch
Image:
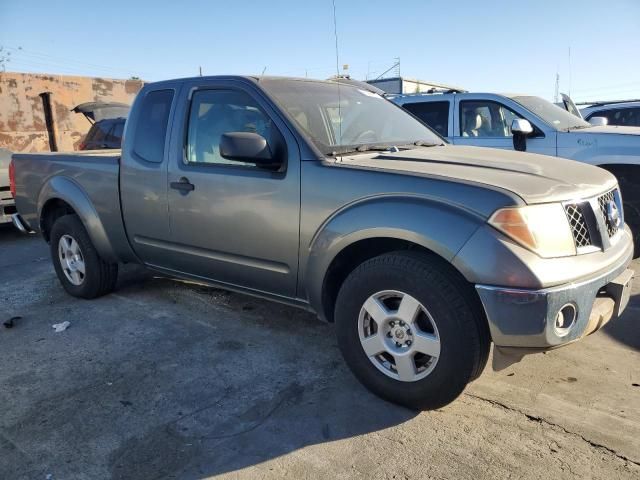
<point>62,196</point>
<point>373,228</point>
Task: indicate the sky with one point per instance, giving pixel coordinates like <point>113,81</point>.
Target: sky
<point>498,46</point>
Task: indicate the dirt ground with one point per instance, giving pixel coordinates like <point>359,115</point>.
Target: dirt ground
<point>164,379</point>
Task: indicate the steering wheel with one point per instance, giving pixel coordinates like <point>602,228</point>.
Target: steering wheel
<point>368,136</point>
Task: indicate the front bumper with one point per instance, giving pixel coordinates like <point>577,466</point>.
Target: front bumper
<point>524,318</point>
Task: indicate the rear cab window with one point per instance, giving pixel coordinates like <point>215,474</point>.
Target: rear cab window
<point>151,125</point>
<point>434,114</point>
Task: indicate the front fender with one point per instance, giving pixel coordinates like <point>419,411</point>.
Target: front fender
<point>431,223</point>
<point>65,189</point>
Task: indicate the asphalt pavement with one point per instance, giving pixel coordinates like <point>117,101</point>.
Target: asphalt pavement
<point>168,379</point>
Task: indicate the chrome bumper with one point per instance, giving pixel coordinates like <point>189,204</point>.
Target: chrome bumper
<point>528,318</point>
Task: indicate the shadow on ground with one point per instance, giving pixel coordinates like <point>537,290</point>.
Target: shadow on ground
<point>626,329</point>
<point>163,379</point>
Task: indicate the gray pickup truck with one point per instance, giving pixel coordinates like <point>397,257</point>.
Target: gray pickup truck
<point>326,196</point>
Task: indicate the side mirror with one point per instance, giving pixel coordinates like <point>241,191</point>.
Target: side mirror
<point>599,121</point>
<point>520,128</point>
<point>246,147</point>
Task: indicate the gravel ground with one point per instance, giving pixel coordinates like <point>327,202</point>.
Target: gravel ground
<point>166,379</point>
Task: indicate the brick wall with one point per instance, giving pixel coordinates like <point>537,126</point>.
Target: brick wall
<point>22,124</point>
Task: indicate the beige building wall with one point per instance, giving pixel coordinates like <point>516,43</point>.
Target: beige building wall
<point>22,123</point>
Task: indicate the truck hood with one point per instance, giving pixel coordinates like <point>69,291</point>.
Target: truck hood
<point>534,178</point>
<point>609,129</point>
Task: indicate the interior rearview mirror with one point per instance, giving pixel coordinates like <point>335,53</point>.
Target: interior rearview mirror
<point>246,147</point>
<point>520,128</point>
<point>599,121</point>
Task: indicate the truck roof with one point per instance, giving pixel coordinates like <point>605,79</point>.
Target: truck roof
<point>250,78</point>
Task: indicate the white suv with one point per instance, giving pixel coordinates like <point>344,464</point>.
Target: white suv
<point>616,113</point>
<point>532,124</point>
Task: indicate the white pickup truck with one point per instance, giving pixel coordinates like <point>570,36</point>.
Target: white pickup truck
<point>7,203</point>
<point>532,124</point>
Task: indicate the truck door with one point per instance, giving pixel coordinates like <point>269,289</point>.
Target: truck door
<point>143,174</point>
<point>237,223</point>
<point>487,123</point>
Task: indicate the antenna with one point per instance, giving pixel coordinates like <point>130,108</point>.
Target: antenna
<point>263,70</point>
<point>569,70</point>
<point>335,33</point>
<point>200,68</point>
<point>556,95</point>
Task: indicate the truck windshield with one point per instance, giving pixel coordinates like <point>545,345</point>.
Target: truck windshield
<point>340,118</point>
<point>555,116</point>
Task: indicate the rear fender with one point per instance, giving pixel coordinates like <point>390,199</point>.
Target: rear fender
<point>65,189</point>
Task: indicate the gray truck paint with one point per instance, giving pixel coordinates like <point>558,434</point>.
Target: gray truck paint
<point>276,234</point>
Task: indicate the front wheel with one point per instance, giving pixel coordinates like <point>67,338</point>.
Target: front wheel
<point>79,267</point>
<point>409,330</point>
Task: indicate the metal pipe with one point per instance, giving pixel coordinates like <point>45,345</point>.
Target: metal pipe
<point>49,122</point>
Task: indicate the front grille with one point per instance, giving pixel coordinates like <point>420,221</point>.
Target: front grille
<point>603,201</point>
<point>579,228</point>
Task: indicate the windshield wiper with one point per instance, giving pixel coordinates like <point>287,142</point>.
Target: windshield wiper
<point>422,143</point>
<point>364,148</point>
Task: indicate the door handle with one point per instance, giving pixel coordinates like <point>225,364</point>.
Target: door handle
<point>183,185</point>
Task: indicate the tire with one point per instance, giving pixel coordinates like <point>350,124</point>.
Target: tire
<point>99,277</point>
<point>628,177</point>
<point>446,313</point>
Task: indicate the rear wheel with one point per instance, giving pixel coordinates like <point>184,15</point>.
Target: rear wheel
<point>409,330</point>
<point>79,267</point>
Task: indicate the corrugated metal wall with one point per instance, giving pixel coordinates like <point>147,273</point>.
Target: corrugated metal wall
<point>22,123</point>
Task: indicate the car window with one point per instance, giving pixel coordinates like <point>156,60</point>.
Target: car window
<point>434,114</point>
<point>98,132</point>
<point>484,118</point>
<point>151,125</point>
<point>118,130</point>
<point>215,112</point>
<point>629,117</point>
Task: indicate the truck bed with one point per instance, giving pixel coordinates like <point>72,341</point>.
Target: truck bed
<point>75,177</point>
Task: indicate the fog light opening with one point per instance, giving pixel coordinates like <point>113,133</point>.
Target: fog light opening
<point>565,319</point>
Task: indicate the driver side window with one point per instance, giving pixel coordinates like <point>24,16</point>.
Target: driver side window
<point>486,119</point>
<point>215,112</point>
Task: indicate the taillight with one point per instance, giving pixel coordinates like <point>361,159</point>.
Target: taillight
<point>12,178</point>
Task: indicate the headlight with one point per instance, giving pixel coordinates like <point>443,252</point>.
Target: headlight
<point>541,228</point>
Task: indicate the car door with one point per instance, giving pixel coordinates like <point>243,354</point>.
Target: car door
<point>239,223</point>
<point>487,123</point>
<point>143,175</point>
<point>436,114</point>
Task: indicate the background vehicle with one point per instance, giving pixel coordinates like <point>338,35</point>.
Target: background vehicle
<point>329,197</point>
<point>7,203</point>
<point>625,113</point>
<point>107,119</point>
<point>524,122</point>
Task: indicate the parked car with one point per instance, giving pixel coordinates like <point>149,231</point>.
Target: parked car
<point>7,203</point>
<point>617,113</point>
<point>326,196</point>
<point>107,124</point>
<point>532,124</point>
